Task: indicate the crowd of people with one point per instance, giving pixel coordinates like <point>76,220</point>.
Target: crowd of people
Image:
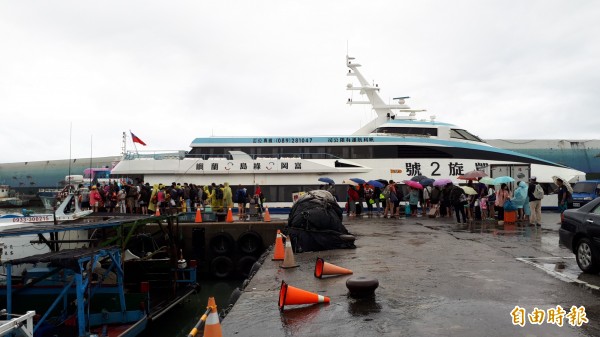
<point>445,201</point>
<point>141,198</point>
<point>487,201</point>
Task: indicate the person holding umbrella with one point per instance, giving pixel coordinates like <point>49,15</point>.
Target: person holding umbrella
<point>445,202</point>
<point>435,196</point>
<point>413,200</point>
<point>502,195</point>
<point>563,195</point>
<point>426,192</point>
<point>352,200</point>
<point>389,193</point>
<point>491,200</point>
<point>458,200</point>
<point>376,197</point>
<point>369,199</point>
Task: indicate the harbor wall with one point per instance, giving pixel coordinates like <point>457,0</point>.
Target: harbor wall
<point>226,250</point>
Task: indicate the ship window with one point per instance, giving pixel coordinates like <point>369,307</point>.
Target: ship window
<point>412,131</point>
<point>464,134</point>
<point>359,152</point>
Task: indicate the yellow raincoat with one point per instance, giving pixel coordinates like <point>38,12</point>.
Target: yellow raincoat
<point>152,202</point>
<point>227,196</point>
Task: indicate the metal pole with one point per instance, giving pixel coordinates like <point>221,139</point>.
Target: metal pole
<point>198,325</point>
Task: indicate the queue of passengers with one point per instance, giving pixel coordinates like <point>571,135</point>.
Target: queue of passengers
<point>450,200</point>
<point>141,198</point>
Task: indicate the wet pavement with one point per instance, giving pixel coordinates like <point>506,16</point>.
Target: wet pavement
<point>436,278</point>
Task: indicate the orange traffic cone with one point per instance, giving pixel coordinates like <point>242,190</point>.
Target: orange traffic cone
<point>325,268</point>
<point>267,216</point>
<point>198,216</point>
<point>229,215</point>
<point>288,260</point>
<point>293,296</point>
<point>157,213</point>
<point>279,253</point>
<point>212,326</point>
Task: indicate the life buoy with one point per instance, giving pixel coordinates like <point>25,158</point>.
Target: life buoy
<point>244,265</point>
<point>250,243</point>
<point>221,266</point>
<point>221,244</point>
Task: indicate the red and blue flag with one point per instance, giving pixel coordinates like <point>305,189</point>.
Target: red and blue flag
<point>136,139</point>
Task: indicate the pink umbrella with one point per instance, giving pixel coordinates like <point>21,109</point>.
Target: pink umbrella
<point>473,175</point>
<point>413,184</point>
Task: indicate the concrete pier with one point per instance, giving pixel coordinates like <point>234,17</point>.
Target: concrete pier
<point>436,279</point>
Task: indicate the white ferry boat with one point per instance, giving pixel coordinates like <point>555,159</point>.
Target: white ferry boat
<point>395,145</point>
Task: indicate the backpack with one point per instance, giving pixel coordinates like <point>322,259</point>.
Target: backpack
<point>241,196</point>
<point>219,193</point>
<point>435,196</point>
<point>538,192</point>
<point>386,192</point>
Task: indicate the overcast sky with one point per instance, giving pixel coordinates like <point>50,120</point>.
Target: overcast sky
<point>171,71</point>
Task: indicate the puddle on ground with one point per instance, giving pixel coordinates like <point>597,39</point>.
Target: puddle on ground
<point>565,269</point>
<point>499,229</point>
<point>363,306</point>
<point>294,320</point>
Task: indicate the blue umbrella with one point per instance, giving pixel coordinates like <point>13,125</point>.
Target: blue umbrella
<point>358,180</point>
<point>503,180</point>
<point>418,178</point>
<point>375,183</point>
<point>326,180</point>
<point>427,182</point>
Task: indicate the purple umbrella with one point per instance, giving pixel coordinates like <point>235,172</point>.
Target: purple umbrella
<point>442,182</point>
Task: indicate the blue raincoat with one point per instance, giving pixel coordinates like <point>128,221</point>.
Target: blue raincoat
<point>520,196</point>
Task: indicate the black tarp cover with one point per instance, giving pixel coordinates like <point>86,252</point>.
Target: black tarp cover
<point>315,223</point>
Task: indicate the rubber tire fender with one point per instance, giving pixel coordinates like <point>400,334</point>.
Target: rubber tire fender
<point>221,267</point>
<point>250,243</point>
<point>244,265</point>
<point>221,243</point>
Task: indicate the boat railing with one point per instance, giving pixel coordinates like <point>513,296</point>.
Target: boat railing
<point>404,135</point>
<point>180,155</point>
<point>154,155</point>
<point>278,156</point>
<point>51,190</point>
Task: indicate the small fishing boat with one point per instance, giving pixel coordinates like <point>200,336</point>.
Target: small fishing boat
<point>68,210</point>
<point>10,199</point>
<point>103,290</point>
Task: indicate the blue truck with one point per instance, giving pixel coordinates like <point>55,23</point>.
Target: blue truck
<point>585,191</point>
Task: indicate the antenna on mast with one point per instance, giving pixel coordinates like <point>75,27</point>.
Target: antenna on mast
<point>70,141</point>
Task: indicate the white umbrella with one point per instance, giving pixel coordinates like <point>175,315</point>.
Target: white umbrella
<point>469,190</point>
<point>350,182</point>
<point>565,182</point>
